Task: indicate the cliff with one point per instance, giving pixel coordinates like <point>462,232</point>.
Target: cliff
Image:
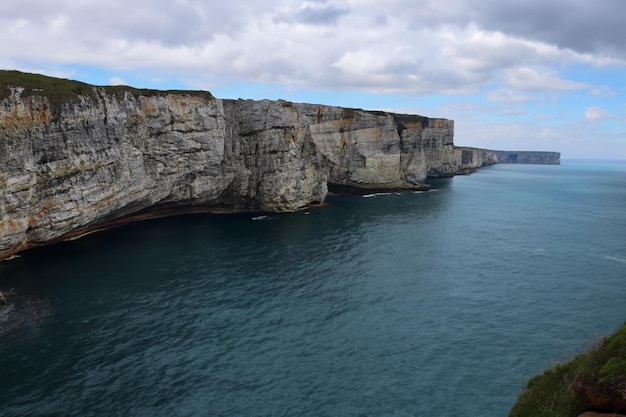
<point>75,157</point>
<point>528,157</point>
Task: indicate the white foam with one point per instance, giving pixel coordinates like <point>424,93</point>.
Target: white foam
<point>378,194</point>
<point>11,257</point>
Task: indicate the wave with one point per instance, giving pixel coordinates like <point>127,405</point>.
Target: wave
<point>615,258</point>
<point>378,194</point>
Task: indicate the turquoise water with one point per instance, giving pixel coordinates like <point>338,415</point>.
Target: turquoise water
<point>416,304</point>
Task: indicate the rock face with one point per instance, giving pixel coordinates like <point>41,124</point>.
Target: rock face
<point>73,164</point>
<point>528,157</point>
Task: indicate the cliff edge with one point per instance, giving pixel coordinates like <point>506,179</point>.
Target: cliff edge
<point>75,157</point>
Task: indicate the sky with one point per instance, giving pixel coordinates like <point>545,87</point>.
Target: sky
<point>544,75</point>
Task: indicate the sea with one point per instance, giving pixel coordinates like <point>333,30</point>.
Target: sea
<point>438,303</point>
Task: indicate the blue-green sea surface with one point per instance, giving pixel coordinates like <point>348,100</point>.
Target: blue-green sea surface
<point>439,303</point>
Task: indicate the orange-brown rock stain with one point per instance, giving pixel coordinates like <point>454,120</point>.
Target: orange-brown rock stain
<point>44,115</point>
<point>13,226</point>
<point>175,102</point>
<point>149,109</point>
<point>26,114</point>
<point>413,125</point>
<point>42,212</point>
<point>343,122</point>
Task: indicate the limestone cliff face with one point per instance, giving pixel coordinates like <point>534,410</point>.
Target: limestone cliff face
<point>70,166</point>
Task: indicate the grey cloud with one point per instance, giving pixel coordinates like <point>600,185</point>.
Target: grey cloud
<point>580,25</point>
<point>325,15</point>
<point>583,26</point>
<point>318,12</point>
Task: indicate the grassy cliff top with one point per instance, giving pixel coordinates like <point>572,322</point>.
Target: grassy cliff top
<point>60,90</point>
<point>592,381</point>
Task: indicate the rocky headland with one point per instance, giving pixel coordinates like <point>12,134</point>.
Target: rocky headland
<point>76,157</point>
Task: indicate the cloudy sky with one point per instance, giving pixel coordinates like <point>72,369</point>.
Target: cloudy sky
<point>515,75</point>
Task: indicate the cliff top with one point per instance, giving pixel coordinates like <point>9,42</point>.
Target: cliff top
<point>61,90</point>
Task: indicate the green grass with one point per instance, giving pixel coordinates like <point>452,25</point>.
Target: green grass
<point>120,90</point>
<point>60,91</point>
<point>57,90</point>
<point>558,392</point>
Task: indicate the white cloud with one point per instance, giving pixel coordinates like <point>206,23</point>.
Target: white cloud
<point>409,48</point>
<point>117,81</point>
<point>551,133</point>
<point>603,91</point>
<point>533,80</point>
<point>595,114</point>
<point>507,95</point>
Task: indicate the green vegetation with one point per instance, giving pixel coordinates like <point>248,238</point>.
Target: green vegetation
<point>57,90</point>
<point>60,91</point>
<point>120,90</point>
<point>592,381</point>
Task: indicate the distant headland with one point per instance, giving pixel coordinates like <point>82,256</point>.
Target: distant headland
<point>528,157</point>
